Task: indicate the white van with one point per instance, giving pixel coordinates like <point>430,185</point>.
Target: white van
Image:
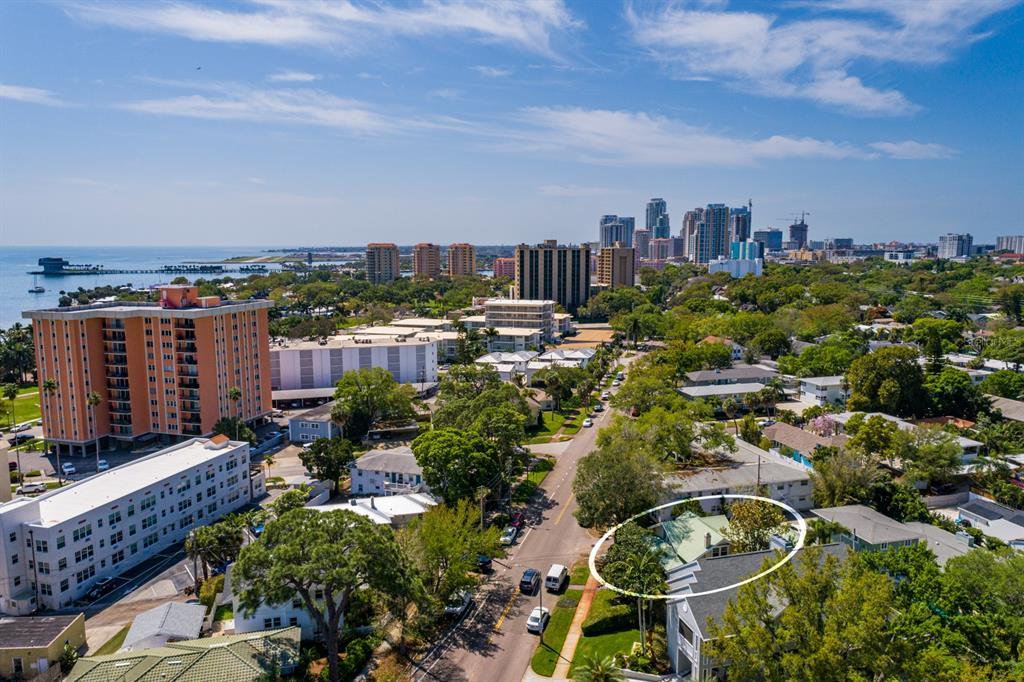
<point>557,576</point>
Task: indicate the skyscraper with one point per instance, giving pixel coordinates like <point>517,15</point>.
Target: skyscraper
<point>504,267</point>
<point>771,238</point>
<point>551,271</point>
<point>461,259</point>
<point>952,245</point>
<point>382,263</point>
<point>739,223</point>
<point>746,250</point>
<point>641,243</point>
<point>657,218</point>
<point>613,228</point>
<point>164,368</point>
<point>712,237</point>
<point>426,260</point>
<point>798,234</point>
<point>616,266</point>
<point>691,219</point>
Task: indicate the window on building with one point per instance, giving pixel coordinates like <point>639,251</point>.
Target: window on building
<point>685,633</point>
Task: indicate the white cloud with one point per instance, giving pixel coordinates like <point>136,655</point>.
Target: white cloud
<point>812,57</point>
<point>293,77</point>
<point>445,93</point>
<point>22,93</point>
<point>492,71</point>
<point>909,149</point>
<point>303,106</point>
<point>625,137</point>
<point>344,25</point>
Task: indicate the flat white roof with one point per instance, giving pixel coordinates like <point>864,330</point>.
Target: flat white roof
<point>425,322</point>
<point>350,341</point>
<point>721,389</point>
<point>67,503</point>
<point>521,302</point>
<point>384,508</point>
<point>823,381</point>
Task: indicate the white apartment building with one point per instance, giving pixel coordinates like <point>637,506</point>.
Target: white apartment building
<point>522,313</point>
<point>824,390</point>
<point>315,364</point>
<point>56,546</point>
<point>388,471</point>
<point>271,616</point>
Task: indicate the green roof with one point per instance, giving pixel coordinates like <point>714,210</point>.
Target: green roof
<point>233,657</point>
<point>685,536</point>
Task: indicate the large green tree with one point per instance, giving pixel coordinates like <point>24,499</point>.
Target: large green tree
<point>367,396</point>
<point>613,483</point>
<point>844,478</point>
<point>444,545</point>
<point>752,524</point>
<point>1004,383</point>
<point>328,459</point>
<point>888,380</point>
<point>305,554</point>
<point>813,619</point>
<point>456,463</point>
<point>952,393</point>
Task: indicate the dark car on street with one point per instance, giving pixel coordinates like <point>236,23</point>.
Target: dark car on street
<point>530,582</point>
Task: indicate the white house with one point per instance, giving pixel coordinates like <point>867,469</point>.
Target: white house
<point>509,364</point>
<point>270,616</point>
<point>824,390</point>
<point>396,511</point>
<point>56,546</point>
<point>994,519</point>
<point>390,471</point>
<point>721,391</point>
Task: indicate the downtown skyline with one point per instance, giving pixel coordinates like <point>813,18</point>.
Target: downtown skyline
<point>273,123</point>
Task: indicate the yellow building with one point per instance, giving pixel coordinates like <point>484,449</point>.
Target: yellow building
<point>426,261</point>
<point>31,645</point>
<point>461,259</point>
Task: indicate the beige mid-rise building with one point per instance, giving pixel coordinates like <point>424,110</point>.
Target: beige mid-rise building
<point>461,259</point>
<point>426,260</point>
<point>124,370</point>
<point>382,264</point>
<point>616,266</point>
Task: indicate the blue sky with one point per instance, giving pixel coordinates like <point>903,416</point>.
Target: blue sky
<point>341,122</point>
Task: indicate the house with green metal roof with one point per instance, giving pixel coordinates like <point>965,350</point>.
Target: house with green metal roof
<point>689,537</point>
<point>239,658</point>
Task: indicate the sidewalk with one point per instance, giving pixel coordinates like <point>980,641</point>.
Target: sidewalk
<point>572,638</point>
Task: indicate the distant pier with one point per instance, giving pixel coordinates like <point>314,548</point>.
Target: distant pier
<point>60,267</point>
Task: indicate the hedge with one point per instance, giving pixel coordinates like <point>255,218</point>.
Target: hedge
<point>209,590</point>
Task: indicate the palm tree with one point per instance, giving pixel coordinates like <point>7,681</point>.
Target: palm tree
<point>489,335</point>
<point>195,550</point>
<point>633,329</point>
<point>92,398</point>
<point>10,393</point>
<point>731,408</point>
<point>235,396</point>
<point>752,401</point>
<point>594,669</point>
<point>641,573</point>
<point>50,387</point>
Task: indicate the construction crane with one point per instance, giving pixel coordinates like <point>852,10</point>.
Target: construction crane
<point>803,214</point>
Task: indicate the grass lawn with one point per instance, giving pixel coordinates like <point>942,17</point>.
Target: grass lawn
<point>573,427</point>
<point>113,644</point>
<point>605,645</point>
<point>26,407</point>
<point>524,491</point>
<point>545,658</point>
<point>224,612</point>
<point>580,572</point>
<point>538,440</point>
<point>552,422</point>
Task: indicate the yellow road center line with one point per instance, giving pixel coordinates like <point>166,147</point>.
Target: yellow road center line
<point>508,607</point>
<point>565,508</point>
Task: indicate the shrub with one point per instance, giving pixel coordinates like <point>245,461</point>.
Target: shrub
<point>357,655</point>
<point>210,589</point>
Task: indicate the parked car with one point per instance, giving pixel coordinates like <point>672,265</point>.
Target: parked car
<point>12,465</point>
<point>68,468</point>
<point>21,438</point>
<point>557,577</point>
<point>102,586</point>
<point>458,603</point>
<point>588,422</point>
<point>538,620</point>
<point>102,465</point>
<point>21,427</point>
<point>621,376</point>
<point>606,395</point>
<point>509,535</point>
<point>599,408</point>
<point>530,582</point>
<point>31,488</point>
<point>616,383</point>
<point>517,520</point>
<point>483,563</point>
